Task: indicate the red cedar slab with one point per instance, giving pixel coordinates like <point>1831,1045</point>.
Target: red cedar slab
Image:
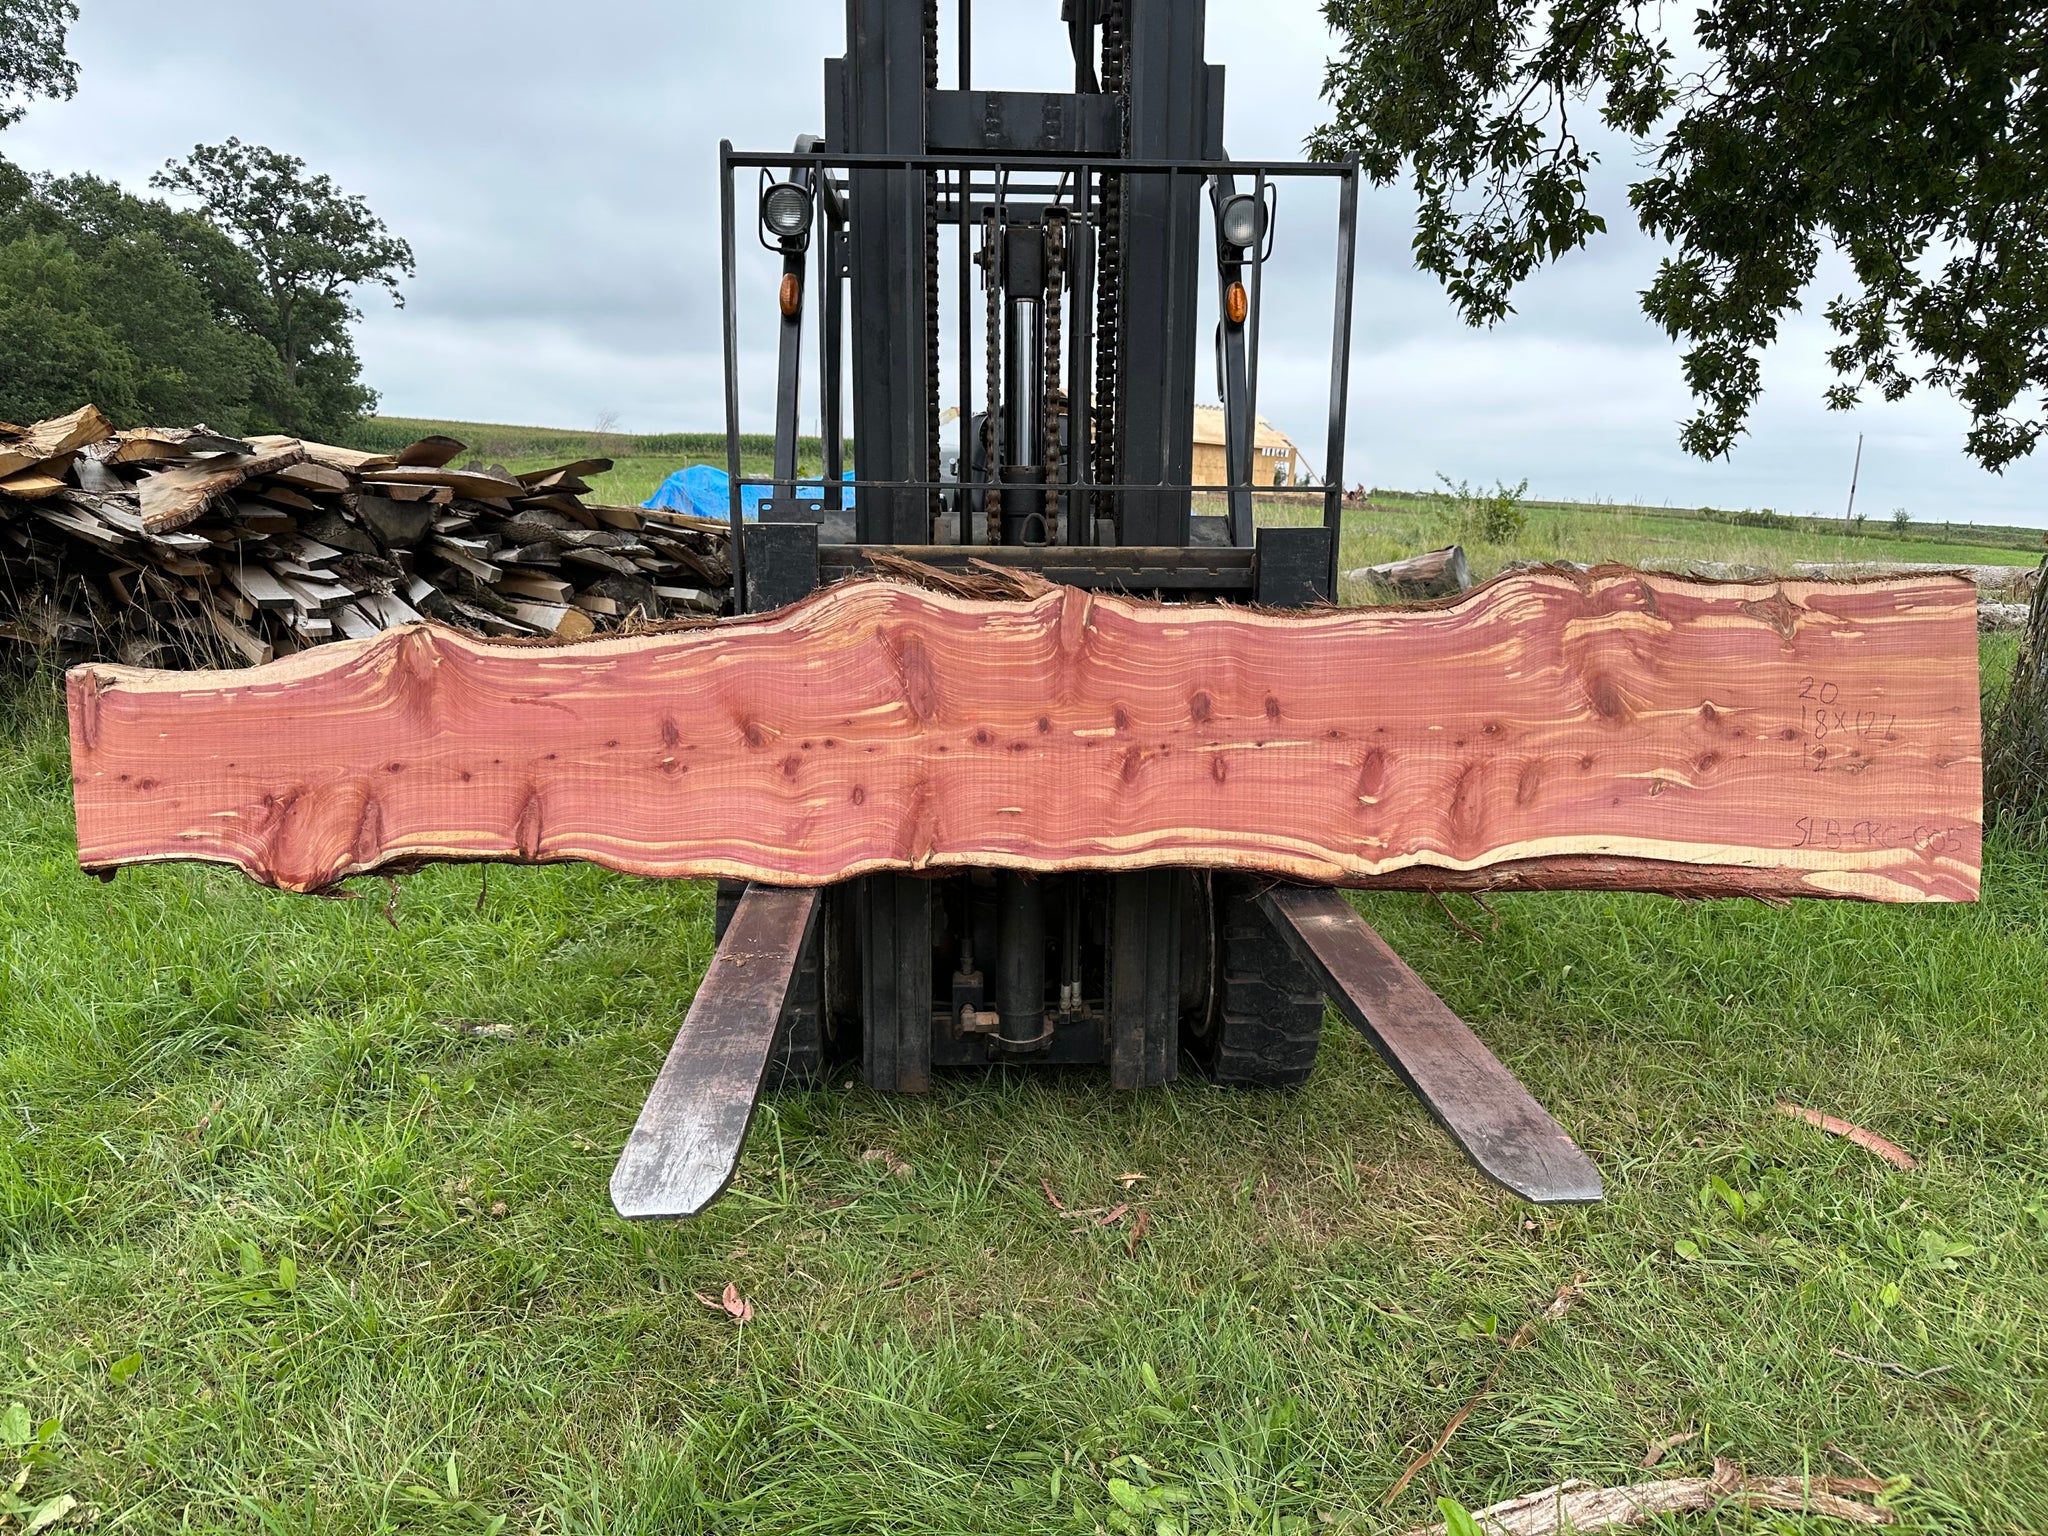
<point>1553,728</point>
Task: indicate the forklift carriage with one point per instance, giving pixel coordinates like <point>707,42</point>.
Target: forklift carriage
<point>1080,216</point>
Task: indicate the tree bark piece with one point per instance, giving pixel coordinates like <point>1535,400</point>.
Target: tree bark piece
<point>1870,1141</point>
<point>1439,573</point>
<point>25,447</point>
<point>1606,728</point>
<point>172,498</point>
<point>1577,1508</point>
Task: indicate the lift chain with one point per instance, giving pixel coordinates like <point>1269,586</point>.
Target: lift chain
<point>991,281</point>
<point>1109,267</point>
<point>1055,395</point>
<point>931,286</point>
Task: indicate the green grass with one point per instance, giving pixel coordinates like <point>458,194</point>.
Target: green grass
<point>1394,525</point>
<point>1590,534</point>
<point>288,1244</point>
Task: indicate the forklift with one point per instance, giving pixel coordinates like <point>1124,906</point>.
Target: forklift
<point>1077,223</point>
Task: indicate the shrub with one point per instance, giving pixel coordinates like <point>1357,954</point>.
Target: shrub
<point>1762,517</point>
<point>1495,517</point>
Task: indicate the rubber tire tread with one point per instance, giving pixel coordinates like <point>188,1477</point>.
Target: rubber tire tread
<point>1270,1010</point>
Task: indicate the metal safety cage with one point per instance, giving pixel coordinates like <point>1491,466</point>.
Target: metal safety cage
<point>969,188</point>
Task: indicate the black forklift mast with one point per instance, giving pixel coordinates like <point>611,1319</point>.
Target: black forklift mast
<point>1081,216</point>
<point>882,99</point>
<point>1082,212</point>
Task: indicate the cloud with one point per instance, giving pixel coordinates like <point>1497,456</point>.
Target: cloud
<point>555,171</point>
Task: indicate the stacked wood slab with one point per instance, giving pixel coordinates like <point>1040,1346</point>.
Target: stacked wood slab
<point>176,547</point>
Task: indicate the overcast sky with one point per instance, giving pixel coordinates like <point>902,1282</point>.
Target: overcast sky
<point>554,169</point>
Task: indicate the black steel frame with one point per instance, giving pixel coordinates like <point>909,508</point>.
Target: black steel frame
<point>1125,169</point>
<point>870,949</point>
<point>957,204</point>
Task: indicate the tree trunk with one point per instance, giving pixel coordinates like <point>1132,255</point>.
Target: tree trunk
<point>2016,756</point>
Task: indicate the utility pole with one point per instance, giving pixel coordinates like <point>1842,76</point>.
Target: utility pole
<point>1849,517</point>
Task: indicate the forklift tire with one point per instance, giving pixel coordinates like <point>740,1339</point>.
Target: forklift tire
<point>1266,1020</point>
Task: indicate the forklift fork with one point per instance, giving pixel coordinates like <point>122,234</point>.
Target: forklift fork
<point>686,1144</point>
<point>1481,1105</point>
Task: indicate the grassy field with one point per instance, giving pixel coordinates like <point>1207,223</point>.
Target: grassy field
<point>1394,525</point>
<point>1389,529</point>
<point>303,1222</point>
<point>639,463</point>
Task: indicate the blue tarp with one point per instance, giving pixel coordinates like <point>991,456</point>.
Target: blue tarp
<point>704,490</point>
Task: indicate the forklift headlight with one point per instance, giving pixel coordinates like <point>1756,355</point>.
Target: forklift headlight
<point>1242,221</point>
<point>786,212</point>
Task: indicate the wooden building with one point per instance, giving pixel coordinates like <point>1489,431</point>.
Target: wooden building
<point>1277,461</point>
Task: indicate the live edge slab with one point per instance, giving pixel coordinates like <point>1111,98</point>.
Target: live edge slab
<point>1553,729</point>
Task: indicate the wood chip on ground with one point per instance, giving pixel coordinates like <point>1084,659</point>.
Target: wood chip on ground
<point>1580,1508</point>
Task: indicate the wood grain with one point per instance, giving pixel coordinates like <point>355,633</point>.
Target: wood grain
<point>172,498</point>
<point>1554,727</point>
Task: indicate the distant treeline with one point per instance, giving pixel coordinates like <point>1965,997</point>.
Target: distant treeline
<point>156,316</point>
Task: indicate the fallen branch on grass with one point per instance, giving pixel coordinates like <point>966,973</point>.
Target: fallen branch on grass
<point>1870,1141</point>
<point>1659,1449</point>
<point>1578,1507</point>
<point>1552,730</point>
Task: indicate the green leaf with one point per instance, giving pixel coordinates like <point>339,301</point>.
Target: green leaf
<point>1126,1497</point>
<point>1938,1251</point>
<point>49,1513</point>
<point>252,1260</point>
<point>1166,1525</point>
<point>1151,1379</point>
<point>1728,1195</point>
<point>15,1427</point>
<point>1686,1248</point>
<point>287,1273</point>
<point>119,1372</point>
<point>1458,1519</point>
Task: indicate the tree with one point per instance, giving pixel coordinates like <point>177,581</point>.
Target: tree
<point>1910,135</point>
<point>55,355</point>
<point>32,58</point>
<point>92,212</point>
<point>313,246</point>
<point>111,299</point>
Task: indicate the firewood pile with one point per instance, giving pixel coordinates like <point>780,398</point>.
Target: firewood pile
<point>176,547</point>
